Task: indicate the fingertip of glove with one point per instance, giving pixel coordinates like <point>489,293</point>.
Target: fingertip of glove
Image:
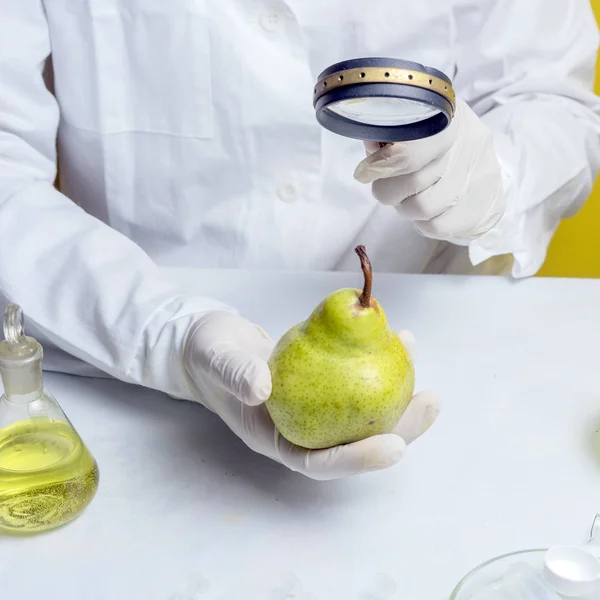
<point>362,173</point>
<point>429,402</point>
<point>419,416</point>
<point>381,451</point>
<point>432,409</point>
<point>376,165</point>
<point>257,397</point>
<point>258,384</point>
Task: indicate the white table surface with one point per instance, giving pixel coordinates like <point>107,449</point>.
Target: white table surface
<point>185,512</point>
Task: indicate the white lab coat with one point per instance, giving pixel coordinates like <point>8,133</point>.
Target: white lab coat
<point>186,137</point>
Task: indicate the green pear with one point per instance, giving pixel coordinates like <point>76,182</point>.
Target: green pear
<point>342,374</point>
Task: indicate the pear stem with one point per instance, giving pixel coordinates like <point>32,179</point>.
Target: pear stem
<point>365,264</point>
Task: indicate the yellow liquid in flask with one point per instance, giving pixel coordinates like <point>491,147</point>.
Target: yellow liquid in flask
<point>47,475</point>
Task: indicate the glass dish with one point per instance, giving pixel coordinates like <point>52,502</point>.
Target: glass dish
<point>494,568</point>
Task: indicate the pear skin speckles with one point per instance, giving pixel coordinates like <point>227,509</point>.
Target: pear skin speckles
<point>330,390</point>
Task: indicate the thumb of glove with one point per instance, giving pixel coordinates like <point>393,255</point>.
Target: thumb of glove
<point>230,353</point>
<point>402,158</point>
<point>242,374</point>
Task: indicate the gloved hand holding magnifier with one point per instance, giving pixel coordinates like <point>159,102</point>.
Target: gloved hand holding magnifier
<point>428,154</point>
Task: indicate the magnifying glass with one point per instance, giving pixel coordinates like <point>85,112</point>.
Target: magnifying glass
<point>383,100</point>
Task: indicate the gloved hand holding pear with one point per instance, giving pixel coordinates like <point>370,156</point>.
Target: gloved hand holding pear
<point>331,399</point>
<point>343,375</point>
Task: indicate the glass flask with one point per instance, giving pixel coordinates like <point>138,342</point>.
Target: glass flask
<point>47,474</point>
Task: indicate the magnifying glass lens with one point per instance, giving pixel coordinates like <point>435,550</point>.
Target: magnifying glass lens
<point>383,100</point>
<point>383,111</point>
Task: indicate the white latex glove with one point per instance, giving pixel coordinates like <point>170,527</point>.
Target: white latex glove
<point>225,360</point>
<point>449,184</point>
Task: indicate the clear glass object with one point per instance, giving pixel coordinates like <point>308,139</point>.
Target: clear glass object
<point>487,575</point>
<point>383,111</point>
<point>47,474</point>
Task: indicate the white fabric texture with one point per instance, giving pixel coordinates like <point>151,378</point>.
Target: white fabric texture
<point>186,137</point>
<point>225,359</point>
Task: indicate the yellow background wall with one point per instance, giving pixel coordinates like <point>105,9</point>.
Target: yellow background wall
<point>575,248</point>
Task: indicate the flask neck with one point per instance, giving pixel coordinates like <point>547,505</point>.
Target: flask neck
<point>20,359</point>
<point>24,398</point>
<point>21,371</point>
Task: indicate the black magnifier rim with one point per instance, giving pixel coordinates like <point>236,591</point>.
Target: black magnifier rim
<point>384,133</point>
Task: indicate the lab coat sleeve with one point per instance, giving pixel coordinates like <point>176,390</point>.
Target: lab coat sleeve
<point>527,69</point>
<point>91,291</point>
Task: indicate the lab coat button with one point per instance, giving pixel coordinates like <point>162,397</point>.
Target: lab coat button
<point>289,192</point>
<point>270,20</point>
